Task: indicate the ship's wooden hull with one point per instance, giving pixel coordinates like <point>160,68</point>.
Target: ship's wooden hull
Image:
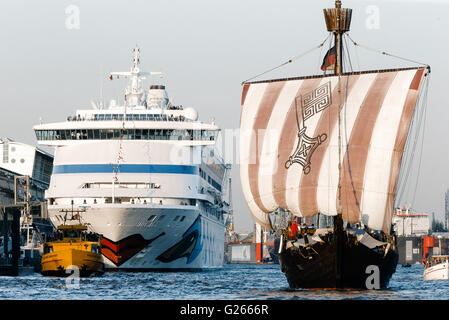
<point>353,266</point>
<point>58,263</point>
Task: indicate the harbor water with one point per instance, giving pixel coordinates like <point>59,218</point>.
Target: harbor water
<point>232,282</point>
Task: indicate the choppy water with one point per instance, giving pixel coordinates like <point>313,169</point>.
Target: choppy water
<point>243,282</point>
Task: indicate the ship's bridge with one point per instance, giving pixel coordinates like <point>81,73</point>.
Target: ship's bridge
<point>164,125</point>
<point>144,115</point>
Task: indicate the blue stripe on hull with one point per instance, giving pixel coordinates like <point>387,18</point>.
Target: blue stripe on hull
<point>125,168</point>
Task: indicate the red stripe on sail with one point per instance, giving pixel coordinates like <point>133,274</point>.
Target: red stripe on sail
<point>401,137</point>
<point>417,80</point>
<point>244,92</point>
<point>286,143</point>
<point>308,188</point>
<point>257,135</point>
<point>354,161</point>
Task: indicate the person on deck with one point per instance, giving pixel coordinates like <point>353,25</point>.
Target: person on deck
<point>293,229</point>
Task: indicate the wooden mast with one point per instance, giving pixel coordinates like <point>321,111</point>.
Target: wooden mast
<point>338,21</point>
<point>338,43</point>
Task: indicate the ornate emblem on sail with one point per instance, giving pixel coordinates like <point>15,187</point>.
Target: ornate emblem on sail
<point>304,150</point>
<point>312,103</point>
<point>316,101</point>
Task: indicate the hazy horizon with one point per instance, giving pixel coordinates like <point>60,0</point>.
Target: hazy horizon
<point>53,64</point>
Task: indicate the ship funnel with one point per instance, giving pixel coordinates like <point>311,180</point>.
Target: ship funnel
<point>157,97</point>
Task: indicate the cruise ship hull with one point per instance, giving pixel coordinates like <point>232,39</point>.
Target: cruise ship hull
<point>153,237</point>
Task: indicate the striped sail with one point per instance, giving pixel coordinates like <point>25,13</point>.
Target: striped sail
<point>289,136</point>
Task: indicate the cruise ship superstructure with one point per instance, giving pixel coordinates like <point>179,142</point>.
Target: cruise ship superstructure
<point>145,175</point>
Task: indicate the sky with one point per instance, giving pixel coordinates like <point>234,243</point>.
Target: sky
<point>55,56</point>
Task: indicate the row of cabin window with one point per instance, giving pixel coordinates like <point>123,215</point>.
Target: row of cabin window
<point>129,117</point>
<point>126,134</point>
<point>211,181</point>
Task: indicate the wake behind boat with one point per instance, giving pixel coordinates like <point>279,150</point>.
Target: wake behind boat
<point>330,157</point>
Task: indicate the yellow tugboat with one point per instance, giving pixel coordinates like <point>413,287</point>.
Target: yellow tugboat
<point>72,246</point>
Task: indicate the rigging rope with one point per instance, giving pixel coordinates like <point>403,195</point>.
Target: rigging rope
<point>319,58</point>
<point>290,60</point>
<point>347,50</point>
<point>411,146</point>
<point>116,167</point>
<point>386,53</point>
<point>422,146</point>
<point>421,117</point>
<point>408,159</point>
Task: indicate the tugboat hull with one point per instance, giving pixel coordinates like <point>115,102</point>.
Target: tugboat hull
<point>61,263</point>
<point>322,266</point>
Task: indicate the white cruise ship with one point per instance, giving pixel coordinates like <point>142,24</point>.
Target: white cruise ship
<point>145,175</point>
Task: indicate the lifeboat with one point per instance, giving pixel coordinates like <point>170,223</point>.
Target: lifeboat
<point>72,248</point>
<point>436,268</point>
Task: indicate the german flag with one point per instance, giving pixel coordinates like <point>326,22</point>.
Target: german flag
<point>329,60</point>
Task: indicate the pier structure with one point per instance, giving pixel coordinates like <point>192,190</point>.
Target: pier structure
<point>415,239</point>
<point>411,224</point>
<point>256,247</point>
<point>264,244</point>
<point>20,159</point>
<point>19,253</point>
<point>9,258</point>
<point>24,177</point>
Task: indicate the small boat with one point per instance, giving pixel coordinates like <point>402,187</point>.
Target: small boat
<point>407,265</point>
<point>72,247</point>
<point>436,268</point>
<point>31,245</point>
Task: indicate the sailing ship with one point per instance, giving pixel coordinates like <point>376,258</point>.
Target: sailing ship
<point>327,150</point>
